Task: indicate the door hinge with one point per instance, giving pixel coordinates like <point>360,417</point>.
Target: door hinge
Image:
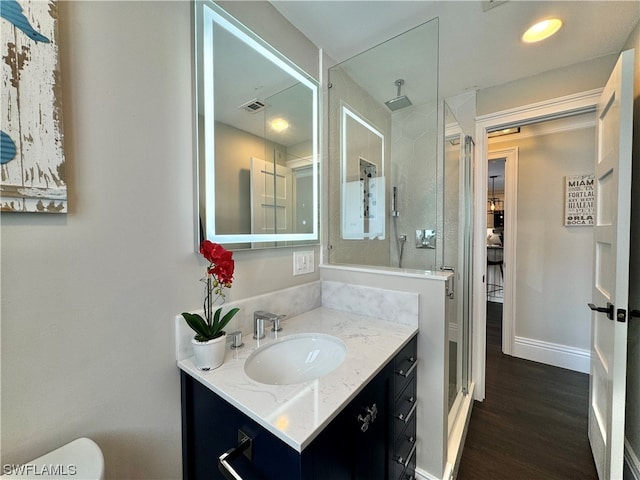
<point>621,315</point>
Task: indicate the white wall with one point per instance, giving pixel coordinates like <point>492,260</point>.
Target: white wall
<point>88,298</point>
<point>632,430</point>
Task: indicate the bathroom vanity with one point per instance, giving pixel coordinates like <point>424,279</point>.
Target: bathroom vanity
<point>357,421</point>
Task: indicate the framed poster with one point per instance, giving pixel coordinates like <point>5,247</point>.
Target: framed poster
<point>579,200</point>
<point>32,163</point>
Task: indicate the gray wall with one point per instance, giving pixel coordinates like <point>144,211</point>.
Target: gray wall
<point>553,266</point>
<point>632,431</point>
<point>89,298</point>
<point>580,77</point>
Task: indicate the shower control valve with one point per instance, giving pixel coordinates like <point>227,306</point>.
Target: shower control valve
<point>426,238</point>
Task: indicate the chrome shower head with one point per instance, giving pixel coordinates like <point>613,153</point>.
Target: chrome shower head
<point>401,101</point>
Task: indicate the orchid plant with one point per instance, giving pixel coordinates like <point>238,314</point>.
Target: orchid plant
<point>219,276</point>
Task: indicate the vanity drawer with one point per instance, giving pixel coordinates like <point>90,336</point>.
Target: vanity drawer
<point>403,460</point>
<point>404,411</point>
<point>404,367</point>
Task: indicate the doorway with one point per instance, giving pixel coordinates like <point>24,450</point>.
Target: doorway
<point>495,229</point>
<point>532,114</point>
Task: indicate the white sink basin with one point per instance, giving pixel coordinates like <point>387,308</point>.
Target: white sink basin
<point>295,359</point>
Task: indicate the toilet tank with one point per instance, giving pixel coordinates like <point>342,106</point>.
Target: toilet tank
<point>81,459</point>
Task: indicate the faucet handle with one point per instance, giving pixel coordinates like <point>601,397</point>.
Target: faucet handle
<point>236,339</point>
<point>276,323</point>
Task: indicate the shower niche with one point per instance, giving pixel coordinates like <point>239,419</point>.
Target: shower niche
<point>383,153</point>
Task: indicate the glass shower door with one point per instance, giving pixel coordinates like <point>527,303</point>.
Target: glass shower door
<point>456,254</point>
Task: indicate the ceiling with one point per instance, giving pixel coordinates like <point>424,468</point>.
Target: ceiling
<point>478,48</point>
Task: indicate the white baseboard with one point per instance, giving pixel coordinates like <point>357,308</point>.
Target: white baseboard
<point>632,463</point>
<point>422,475</point>
<point>571,358</point>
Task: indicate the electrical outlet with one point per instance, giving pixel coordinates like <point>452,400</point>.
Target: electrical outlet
<point>303,262</point>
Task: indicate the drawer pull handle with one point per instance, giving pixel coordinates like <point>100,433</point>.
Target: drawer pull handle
<point>405,461</point>
<point>408,372</point>
<point>244,446</point>
<point>364,421</point>
<point>370,417</point>
<point>406,419</point>
<point>373,411</point>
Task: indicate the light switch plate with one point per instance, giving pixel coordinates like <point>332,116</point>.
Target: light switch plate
<point>303,262</point>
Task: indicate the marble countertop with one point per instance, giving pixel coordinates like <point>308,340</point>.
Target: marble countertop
<point>297,413</point>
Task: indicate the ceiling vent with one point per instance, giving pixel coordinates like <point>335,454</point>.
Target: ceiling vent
<point>254,106</point>
<point>489,4</point>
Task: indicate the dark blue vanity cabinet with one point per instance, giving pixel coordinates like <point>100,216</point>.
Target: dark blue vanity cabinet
<point>373,437</point>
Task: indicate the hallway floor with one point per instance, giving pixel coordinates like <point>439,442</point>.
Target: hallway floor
<point>532,424</point>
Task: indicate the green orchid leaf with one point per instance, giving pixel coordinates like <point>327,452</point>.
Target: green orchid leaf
<point>198,325</point>
<point>227,318</point>
<point>216,321</point>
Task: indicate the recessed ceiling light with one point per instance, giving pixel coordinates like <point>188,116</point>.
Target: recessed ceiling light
<point>542,30</point>
<point>279,125</point>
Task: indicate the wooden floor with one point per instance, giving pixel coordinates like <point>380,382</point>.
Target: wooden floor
<point>532,424</point>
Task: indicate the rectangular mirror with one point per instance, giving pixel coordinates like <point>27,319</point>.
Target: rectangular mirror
<point>257,138</point>
<point>363,174</point>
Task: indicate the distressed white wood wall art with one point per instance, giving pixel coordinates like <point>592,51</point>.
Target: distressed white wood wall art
<point>32,175</point>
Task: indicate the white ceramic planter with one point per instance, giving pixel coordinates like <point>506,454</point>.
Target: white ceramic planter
<point>209,355</point>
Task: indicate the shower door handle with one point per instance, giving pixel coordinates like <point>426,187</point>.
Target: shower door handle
<point>450,288</point>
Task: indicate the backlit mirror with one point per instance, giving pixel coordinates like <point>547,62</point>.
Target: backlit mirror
<point>363,174</point>
<point>257,138</point>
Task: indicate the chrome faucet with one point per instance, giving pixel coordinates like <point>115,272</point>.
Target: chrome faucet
<point>259,318</point>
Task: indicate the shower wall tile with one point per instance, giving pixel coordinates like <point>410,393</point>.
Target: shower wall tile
<point>415,173</point>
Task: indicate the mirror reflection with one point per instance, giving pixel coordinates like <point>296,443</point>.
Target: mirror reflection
<point>363,174</point>
<point>383,124</point>
<point>257,138</point>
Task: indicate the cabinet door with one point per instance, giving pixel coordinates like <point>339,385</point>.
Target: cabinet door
<point>371,443</point>
<point>353,447</point>
<point>210,428</point>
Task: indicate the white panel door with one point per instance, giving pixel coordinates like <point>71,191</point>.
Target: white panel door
<point>611,270</point>
<point>271,198</point>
